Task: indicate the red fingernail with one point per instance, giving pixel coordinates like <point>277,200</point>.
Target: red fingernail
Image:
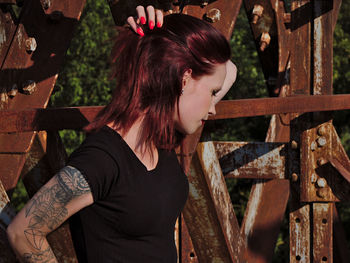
<point>151,25</point>
<point>159,24</point>
<point>140,31</point>
<point>143,20</point>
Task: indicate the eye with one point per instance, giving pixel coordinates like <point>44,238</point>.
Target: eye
<point>215,92</point>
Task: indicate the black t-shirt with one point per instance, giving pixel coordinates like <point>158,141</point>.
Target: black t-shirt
<point>134,212</point>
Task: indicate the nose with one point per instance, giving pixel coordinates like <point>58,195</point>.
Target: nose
<point>212,110</point>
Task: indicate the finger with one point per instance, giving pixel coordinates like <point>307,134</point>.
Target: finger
<point>159,16</point>
<point>132,23</point>
<point>141,14</point>
<point>151,16</point>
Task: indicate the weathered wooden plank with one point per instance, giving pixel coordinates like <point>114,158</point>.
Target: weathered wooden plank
<point>252,159</point>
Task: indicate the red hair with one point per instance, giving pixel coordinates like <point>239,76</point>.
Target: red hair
<point>149,71</point>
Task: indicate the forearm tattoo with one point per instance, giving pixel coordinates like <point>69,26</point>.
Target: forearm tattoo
<point>48,210</point>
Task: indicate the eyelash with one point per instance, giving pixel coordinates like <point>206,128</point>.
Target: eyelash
<point>214,92</point>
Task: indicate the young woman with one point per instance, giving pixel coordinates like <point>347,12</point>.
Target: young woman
<point>123,188</point>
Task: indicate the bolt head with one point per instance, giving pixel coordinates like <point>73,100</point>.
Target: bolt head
<point>213,15</point>
<point>322,130</point>
<point>294,145</point>
<point>295,177</point>
<point>321,141</point>
<point>322,192</point>
<point>29,87</point>
<point>30,44</point>
<point>321,161</point>
<point>13,91</point>
<point>321,182</point>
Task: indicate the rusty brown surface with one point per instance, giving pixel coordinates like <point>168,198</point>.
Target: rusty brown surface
<point>40,66</point>
<point>300,230</point>
<point>322,228</point>
<point>187,253</point>
<point>7,30</point>
<point>256,160</point>
<point>228,13</point>
<point>315,151</point>
<point>209,213</point>
<point>322,47</point>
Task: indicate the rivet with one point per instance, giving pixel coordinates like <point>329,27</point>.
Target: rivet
<point>29,87</point>
<point>295,177</point>
<point>257,13</point>
<point>13,91</point>
<point>313,146</point>
<point>287,18</point>
<point>294,145</point>
<point>321,141</point>
<point>264,41</point>
<point>46,4</point>
<point>204,3</point>
<point>213,15</point>
<point>321,182</point>
<point>30,44</point>
<point>321,130</point>
<point>56,16</point>
<point>321,161</point>
<point>322,192</point>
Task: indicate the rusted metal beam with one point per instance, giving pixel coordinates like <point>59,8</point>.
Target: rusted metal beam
<point>322,228</point>
<point>300,230</point>
<point>256,107</point>
<point>215,225</point>
<point>32,63</point>
<point>78,117</point>
<point>255,160</point>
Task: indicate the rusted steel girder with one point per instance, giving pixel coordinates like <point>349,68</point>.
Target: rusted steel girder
<point>34,70</point>
<point>254,160</point>
<point>223,14</point>
<point>209,213</point>
<point>78,117</point>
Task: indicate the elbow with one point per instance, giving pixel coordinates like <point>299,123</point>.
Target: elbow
<point>13,232</point>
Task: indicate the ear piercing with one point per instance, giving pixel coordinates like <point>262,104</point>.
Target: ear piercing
<point>182,91</point>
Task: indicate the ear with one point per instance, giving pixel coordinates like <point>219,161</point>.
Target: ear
<point>186,77</point>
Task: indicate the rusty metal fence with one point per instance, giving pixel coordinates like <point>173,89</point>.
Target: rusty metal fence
<point>301,161</point>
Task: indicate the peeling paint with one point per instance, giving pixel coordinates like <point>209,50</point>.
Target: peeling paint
<point>2,35</point>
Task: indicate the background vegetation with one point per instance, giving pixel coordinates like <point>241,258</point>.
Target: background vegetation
<point>84,80</point>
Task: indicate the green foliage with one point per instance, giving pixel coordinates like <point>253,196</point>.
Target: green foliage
<point>85,77</point>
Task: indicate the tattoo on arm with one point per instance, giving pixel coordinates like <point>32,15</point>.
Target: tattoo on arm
<point>48,209</point>
<point>43,256</point>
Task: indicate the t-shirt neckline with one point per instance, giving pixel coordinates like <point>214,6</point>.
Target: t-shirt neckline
<point>132,153</point>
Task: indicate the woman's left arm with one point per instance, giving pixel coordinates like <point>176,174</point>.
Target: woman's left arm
<point>231,74</point>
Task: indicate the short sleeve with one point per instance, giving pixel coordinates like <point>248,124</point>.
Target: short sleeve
<point>98,167</point>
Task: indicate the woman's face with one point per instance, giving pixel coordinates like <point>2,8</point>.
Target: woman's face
<point>198,99</point>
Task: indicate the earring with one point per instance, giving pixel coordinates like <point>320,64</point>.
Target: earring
<point>182,91</point>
